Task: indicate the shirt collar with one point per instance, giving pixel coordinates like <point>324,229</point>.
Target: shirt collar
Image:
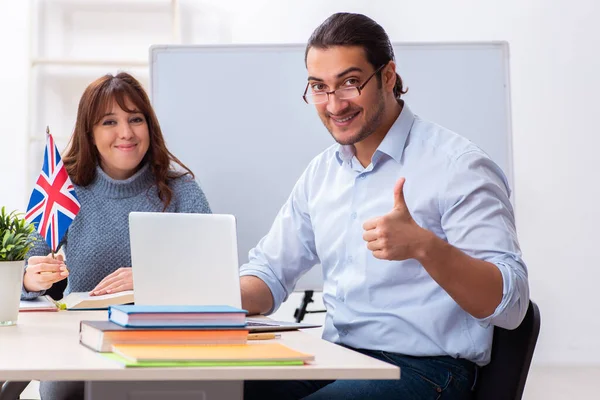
<point>392,144</point>
<point>345,153</point>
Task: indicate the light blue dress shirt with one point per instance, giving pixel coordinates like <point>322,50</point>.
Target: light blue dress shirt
<point>452,189</point>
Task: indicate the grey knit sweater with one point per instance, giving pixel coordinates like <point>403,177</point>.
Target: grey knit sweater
<point>97,242</point>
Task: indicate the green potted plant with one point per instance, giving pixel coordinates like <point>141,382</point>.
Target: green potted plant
<point>16,239</point>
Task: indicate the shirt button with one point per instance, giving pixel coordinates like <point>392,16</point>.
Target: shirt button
<point>363,176</point>
<point>353,215</point>
<point>349,259</point>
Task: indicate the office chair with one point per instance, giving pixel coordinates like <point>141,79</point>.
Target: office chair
<point>301,311</point>
<point>310,283</point>
<point>512,350</point>
<point>12,390</point>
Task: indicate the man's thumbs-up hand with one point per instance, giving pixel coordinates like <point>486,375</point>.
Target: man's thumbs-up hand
<point>396,235</point>
<point>399,202</point>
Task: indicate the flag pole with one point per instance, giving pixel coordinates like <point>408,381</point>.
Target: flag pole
<point>48,133</point>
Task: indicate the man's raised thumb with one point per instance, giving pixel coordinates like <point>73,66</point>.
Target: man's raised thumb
<point>399,202</point>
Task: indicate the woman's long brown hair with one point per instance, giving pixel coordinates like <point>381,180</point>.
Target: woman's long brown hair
<point>82,157</point>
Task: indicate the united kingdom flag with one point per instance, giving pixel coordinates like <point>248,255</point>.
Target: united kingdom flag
<point>53,203</point>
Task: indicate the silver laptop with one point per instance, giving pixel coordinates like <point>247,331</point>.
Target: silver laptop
<point>190,259</point>
<point>184,259</point>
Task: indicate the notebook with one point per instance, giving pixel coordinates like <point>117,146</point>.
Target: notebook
<point>166,364</point>
<point>269,325</point>
<point>250,352</point>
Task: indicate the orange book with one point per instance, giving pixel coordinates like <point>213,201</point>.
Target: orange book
<point>102,335</point>
<point>233,353</point>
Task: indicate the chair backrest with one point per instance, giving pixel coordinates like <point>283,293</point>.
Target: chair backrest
<point>512,350</point>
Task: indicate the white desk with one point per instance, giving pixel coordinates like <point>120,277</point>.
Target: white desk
<point>45,346</point>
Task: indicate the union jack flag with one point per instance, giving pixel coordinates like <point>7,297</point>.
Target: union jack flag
<point>53,203</point>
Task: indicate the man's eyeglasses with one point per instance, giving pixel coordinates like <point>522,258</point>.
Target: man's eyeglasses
<point>344,93</point>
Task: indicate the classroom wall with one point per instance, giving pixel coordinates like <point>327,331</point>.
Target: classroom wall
<point>555,86</point>
<point>14,38</point>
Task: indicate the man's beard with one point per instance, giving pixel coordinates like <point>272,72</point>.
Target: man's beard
<point>368,128</point>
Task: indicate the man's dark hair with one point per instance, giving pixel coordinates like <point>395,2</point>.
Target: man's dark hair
<point>346,29</point>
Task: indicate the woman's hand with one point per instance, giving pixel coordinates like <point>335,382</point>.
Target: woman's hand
<point>118,281</point>
<point>44,271</point>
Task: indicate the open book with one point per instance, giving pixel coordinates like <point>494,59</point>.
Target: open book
<point>83,300</point>
<point>77,301</point>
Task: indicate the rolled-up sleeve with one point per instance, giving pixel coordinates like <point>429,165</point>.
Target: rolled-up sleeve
<point>288,249</point>
<point>478,218</point>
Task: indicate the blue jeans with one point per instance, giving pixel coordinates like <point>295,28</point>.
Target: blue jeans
<point>427,378</point>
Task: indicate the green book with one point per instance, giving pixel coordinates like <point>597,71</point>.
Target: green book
<point>162,364</point>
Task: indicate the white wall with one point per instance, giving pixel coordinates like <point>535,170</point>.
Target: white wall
<point>14,54</point>
<point>555,88</point>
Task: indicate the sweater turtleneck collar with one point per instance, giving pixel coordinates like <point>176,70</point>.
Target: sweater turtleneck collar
<point>120,189</point>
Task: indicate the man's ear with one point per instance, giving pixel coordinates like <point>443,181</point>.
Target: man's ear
<point>389,75</point>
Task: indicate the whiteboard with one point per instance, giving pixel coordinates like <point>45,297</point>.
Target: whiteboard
<point>234,114</point>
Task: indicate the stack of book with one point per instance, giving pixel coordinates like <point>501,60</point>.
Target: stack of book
<point>176,336</point>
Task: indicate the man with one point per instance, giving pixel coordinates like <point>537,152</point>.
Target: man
<point>411,222</point>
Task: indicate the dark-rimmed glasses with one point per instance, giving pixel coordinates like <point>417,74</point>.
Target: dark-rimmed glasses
<point>344,93</point>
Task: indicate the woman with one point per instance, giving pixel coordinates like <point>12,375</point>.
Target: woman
<point>118,162</point>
